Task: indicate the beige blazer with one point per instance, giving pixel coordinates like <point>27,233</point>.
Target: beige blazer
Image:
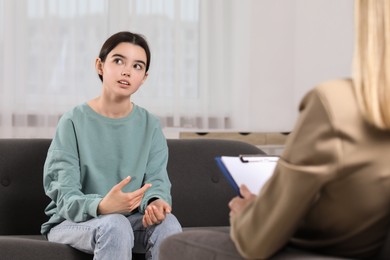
<point>330,191</point>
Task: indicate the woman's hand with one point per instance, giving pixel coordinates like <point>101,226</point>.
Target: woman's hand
<point>155,212</point>
<point>117,201</point>
<point>237,204</point>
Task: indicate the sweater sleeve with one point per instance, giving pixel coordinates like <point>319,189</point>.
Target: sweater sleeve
<point>308,162</point>
<point>156,171</point>
<point>62,177</point>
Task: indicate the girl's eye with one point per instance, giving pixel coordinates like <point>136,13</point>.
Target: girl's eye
<point>118,61</point>
<point>138,66</point>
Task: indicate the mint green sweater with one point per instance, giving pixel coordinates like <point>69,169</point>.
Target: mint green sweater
<point>91,153</point>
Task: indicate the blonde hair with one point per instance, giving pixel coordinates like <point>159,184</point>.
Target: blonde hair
<point>371,71</point>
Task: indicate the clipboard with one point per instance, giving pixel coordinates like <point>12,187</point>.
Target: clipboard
<point>251,170</point>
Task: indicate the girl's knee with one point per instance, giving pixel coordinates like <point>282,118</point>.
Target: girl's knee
<point>116,225</point>
<point>114,237</point>
<point>170,225</point>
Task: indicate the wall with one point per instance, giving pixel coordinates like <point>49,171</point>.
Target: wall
<point>266,54</point>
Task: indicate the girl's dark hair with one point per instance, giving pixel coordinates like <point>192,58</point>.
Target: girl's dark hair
<point>125,36</point>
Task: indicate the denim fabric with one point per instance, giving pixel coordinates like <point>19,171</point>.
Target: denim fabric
<point>115,236</point>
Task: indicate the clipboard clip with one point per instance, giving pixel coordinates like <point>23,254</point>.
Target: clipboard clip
<point>247,158</point>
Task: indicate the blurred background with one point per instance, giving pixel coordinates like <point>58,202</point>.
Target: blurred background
<point>220,65</point>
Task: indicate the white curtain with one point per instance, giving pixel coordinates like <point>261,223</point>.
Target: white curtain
<point>48,49</point>
<point>217,65</point>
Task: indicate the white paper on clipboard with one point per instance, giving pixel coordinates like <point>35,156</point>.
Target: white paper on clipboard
<point>253,172</point>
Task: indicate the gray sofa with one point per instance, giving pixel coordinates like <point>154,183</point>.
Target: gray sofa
<point>200,195</point>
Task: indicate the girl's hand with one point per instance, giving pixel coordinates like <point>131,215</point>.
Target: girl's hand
<point>155,212</point>
<point>237,204</point>
<point>117,201</point>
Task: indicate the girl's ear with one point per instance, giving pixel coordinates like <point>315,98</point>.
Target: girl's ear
<point>99,66</point>
<point>146,75</point>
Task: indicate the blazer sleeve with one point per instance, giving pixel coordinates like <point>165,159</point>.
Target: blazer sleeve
<point>309,161</point>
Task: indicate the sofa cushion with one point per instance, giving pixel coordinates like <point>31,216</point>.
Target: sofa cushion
<point>21,248</point>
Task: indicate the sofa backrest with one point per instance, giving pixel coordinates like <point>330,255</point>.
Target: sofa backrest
<point>22,199</point>
<point>200,193</point>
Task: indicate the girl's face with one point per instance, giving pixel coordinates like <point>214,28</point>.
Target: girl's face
<point>123,71</point>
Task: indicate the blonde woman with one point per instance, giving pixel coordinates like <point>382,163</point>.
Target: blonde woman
<point>330,192</point>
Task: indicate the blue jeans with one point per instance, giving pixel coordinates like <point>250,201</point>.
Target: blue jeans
<point>115,236</point>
